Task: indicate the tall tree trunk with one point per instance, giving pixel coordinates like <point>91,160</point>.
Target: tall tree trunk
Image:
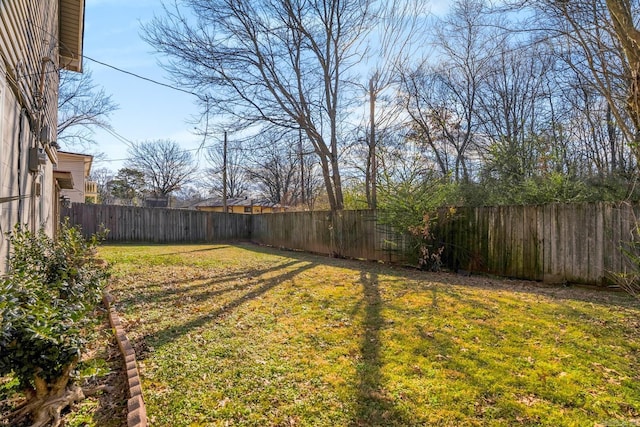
<point>372,169</point>
<point>337,184</point>
<point>629,37</point>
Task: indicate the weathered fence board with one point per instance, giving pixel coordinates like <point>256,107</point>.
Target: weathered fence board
<point>555,243</point>
<point>354,234</point>
<point>135,224</point>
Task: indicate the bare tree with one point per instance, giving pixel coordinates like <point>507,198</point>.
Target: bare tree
<point>128,186</point>
<point>442,99</point>
<point>426,106</point>
<point>395,44</point>
<point>514,112</point>
<point>82,107</point>
<point>165,165</point>
<point>274,167</point>
<point>595,39</point>
<point>281,62</point>
<point>624,18</point>
<point>103,178</point>
<point>598,142</point>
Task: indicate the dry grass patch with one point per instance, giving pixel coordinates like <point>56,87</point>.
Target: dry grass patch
<point>243,335</point>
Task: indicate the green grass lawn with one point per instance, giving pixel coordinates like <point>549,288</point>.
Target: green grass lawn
<point>244,335</point>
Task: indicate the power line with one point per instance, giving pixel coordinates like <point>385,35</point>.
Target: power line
<point>119,137</point>
<point>110,130</point>
<point>127,141</point>
<point>150,80</point>
<point>61,44</point>
<point>138,76</point>
<point>129,158</point>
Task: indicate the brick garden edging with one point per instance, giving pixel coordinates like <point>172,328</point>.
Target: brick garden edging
<point>137,412</point>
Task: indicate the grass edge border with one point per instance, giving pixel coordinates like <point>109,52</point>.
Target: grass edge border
<point>136,409</point>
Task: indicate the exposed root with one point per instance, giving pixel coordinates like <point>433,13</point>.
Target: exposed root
<point>48,410</point>
<point>15,402</point>
<point>94,390</point>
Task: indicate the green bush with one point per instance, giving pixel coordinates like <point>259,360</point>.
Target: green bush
<point>51,286</point>
<point>411,208</point>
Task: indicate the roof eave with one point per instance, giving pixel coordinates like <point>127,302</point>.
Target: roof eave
<point>71,34</point>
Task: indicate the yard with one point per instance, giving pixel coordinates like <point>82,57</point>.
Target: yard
<point>245,335</point>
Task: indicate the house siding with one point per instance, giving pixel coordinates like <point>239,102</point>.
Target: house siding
<point>28,103</point>
<point>237,209</point>
<point>76,165</point>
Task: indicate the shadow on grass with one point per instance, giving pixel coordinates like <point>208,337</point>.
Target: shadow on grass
<point>591,294</point>
<point>169,291</point>
<point>374,406</point>
<point>261,287</point>
<point>209,249</point>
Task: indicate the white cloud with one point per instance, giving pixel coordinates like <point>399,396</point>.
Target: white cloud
<point>440,7</point>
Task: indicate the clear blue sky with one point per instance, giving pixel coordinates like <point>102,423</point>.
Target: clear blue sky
<point>147,111</point>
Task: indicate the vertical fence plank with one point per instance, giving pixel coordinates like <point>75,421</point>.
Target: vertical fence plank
<point>628,224</point>
<point>518,240</point>
<point>507,225</point>
<point>560,245</point>
<point>551,246</point>
<point>495,242</point>
<point>616,225</point>
<point>528,244</point>
<point>543,240</point>
<point>608,234</point>
<point>598,274</point>
<point>575,235</point>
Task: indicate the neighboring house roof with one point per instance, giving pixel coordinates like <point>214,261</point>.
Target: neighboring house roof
<point>244,202</point>
<point>69,156</point>
<point>71,34</point>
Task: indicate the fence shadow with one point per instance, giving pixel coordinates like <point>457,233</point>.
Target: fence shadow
<point>200,287</point>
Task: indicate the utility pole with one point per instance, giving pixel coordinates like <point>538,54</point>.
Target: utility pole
<point>373,164</point>
<point>224,173</point>
<point>301,166</point>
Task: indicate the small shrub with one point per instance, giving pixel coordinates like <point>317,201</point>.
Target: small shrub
<point>427,248</point>
<point>413,209</point>
<point>51,287</point>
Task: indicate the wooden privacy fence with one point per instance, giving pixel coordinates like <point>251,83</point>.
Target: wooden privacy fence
<point>352,234</point>
<point>135,224</point>
<point>554,243</point>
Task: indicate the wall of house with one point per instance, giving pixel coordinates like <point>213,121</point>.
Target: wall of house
<point>230,209</point>
<point>75,165</point>
<point>237,209</point>
<point>28,102</point>
<point>210,209</point>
